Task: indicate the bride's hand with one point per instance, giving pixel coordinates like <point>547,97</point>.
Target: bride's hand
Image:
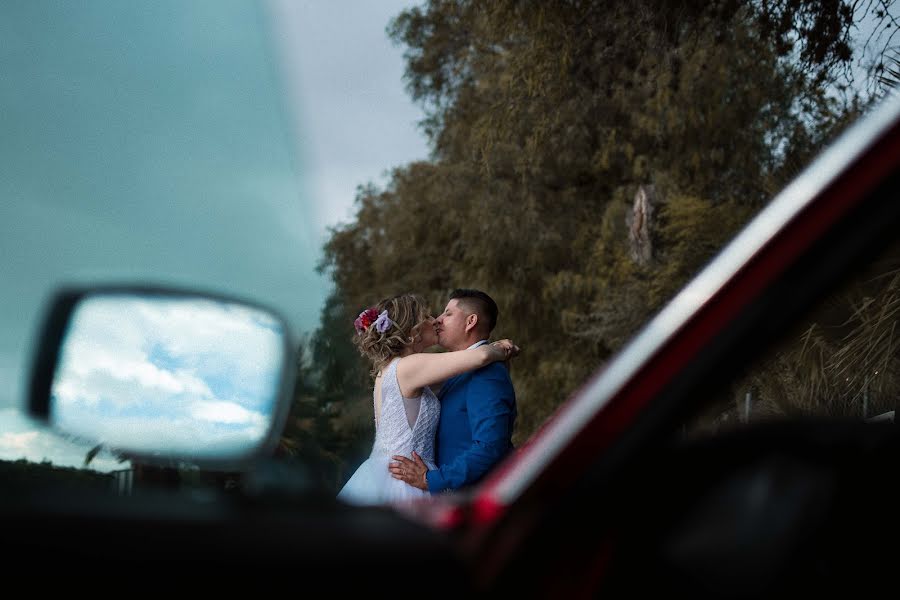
<point>504,349</point>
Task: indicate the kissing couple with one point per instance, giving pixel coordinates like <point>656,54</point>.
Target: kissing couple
<point>442,420</point>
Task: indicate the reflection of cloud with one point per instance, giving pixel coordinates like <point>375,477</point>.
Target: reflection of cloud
<point>172,436</point>
<point>244,339</point>
<point>14,443</point>
<point>148,340</point>
<point>24,438</point>
<point>127,384</point>
<point>226,412</point>
<point>153,373</point>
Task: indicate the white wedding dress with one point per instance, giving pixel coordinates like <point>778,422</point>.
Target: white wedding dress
<point>405,425</point>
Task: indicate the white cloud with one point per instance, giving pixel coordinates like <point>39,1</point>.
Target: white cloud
<point>209,334</point>
<point>203,341</point>
<point>188,436</point>
<point>24,438</point>
<point>17,443</point>
<point>226,412</point>
<point>156,375</point>
<point>133,385</point>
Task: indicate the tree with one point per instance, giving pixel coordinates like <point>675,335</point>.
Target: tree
<point>545,119</point>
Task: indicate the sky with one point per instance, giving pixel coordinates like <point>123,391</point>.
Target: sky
<point>357,120</point>
<point>205,145</point>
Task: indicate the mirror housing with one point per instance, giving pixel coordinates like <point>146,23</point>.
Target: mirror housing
<point>164,376</point>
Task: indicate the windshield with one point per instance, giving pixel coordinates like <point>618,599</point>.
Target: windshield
<point>577,165</point>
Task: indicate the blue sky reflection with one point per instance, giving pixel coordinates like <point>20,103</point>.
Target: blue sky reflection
<point>192,377</point>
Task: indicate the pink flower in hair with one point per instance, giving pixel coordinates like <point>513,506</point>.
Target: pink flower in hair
<point>365,319</point>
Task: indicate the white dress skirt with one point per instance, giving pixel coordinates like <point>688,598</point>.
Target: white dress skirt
<point>405,425</point>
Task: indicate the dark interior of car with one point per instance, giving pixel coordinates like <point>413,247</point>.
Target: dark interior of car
<point>781,508</point>
<point>775,509</point>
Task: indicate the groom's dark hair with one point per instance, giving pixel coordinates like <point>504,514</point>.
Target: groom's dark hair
<point>479,303</point>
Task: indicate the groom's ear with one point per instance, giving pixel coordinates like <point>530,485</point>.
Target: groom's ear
<point>471,322</point>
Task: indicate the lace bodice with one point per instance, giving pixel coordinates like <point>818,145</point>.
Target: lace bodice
<point>393,433</point>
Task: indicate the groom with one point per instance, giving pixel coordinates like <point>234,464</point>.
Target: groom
<point>478,408</point>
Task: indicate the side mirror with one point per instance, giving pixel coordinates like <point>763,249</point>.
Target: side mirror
<point>163,376</point>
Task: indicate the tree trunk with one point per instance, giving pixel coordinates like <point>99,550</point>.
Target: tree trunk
<point>639,222</point>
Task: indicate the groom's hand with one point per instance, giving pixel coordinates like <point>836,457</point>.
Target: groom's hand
<point>411,471</point>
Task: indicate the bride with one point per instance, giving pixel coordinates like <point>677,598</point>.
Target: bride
<point>393,335</point>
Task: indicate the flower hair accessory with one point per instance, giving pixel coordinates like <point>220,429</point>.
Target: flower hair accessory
<point>383,322</point>
<point>365,319</point>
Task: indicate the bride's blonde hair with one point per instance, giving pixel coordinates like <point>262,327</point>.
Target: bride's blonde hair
<point>383,341</point>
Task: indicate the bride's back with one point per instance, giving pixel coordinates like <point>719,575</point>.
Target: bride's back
<point>403,425</point>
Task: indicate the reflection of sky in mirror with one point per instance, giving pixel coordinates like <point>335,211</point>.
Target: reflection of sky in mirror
<point>186,376</point>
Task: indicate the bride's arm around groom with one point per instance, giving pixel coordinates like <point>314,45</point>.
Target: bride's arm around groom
<point>478,408</point>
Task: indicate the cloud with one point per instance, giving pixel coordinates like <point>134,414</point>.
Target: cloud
<point>168,347</point>
<point>17,443</point>
<point>24,438</point>
<point>184,437</point>
<point>227,412</point>
<point>246,339</point>
<point>169,376</point>
<point>128,385</point>
<point>188,377</point>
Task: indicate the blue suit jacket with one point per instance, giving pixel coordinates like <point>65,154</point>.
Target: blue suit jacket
<point>478,410</point>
